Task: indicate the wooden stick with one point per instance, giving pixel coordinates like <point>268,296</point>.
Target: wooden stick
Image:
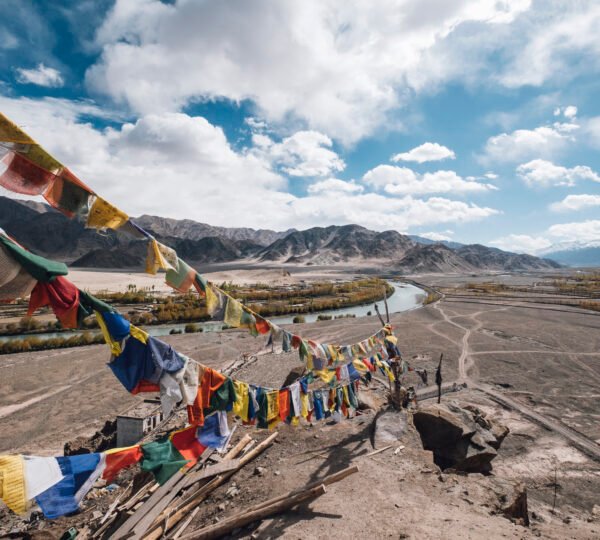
<point>331,479</point>
<point>378,451</point>
<point>185,524</point>
<point>115,503</point>
<point>379,315</point>
<point>270,508</point>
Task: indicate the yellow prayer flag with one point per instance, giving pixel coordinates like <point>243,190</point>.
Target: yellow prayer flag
<point>233,312</point>
<point>242,401</point>
<point>11,133</point>
<point>138,334</point>
<point>104,215</point>
<point>212,300</point>
<point>303,404</point>
<point>273,408</point>
<point>12,483</point>
<point>159,257</point>
<point>115,346</point>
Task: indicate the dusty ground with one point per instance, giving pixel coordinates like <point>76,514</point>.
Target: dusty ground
<point>545,363</point>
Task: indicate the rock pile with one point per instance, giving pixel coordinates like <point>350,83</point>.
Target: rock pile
<point>461,438</point>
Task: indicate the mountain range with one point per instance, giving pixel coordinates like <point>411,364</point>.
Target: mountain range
<point>49,233</point>
<point>574,253</point>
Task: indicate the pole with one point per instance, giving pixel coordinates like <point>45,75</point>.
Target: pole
<point>387,311</point>
<point>438,378</point>
<point>379,315</point>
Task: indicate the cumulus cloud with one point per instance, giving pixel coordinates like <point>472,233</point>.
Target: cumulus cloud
<point>542,173</point>
<point>573,203</point>
<point>338,67</point>
<point>332,185</point>
<point>521,243</point>
<point>525,144</point>
<point>181,166</point>
<point>426,152</point>
<point>583,231</point>
<point>404,181</point>
<point>305,153</point>
<point>41,75</point>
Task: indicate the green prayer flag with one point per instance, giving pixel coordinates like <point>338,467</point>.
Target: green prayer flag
<point>162,459</point>
<point>37,267</point>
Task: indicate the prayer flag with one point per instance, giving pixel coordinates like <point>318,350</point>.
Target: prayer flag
<point>79,474</point>
<point>104,215</point>
<point>68,194</point>
<point>12,483</point>
<point>61,295</point>
<point>118,459</point>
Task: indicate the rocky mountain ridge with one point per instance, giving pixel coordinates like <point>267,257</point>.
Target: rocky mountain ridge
<point>51,234</point>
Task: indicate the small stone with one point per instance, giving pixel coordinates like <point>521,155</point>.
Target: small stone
<point>222,507</point>
<point>441,477</point>
<point>567,519</point>
<point>276,473</point>
<point>259,471</point>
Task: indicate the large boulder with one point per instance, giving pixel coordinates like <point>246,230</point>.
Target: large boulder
<point>462,439</point>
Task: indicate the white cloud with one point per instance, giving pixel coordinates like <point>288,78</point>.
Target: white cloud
<point>404,181</point>
<point>539,172</point>
<point>436,237</point>
<point>570,111</point>
<point>305,153</point>
<point>339,67</point>
<point>179,166</point>
<point>582,231</point>
<point>554,42</point>
<point>576,202</point>
<point>521,243</point>
<point>525,144</point>
<point>332,185</point>
<point>41,75</point>
<point>490,176</point>
<point>426,152</point>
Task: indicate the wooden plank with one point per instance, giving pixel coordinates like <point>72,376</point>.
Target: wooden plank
<point>269,508</point>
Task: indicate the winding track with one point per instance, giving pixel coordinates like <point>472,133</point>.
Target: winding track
<point>580,441</point>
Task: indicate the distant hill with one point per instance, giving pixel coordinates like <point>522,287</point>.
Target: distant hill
<point>49,233</point>
<point>193,230</point>
<point>428,241</point>
<point>327,245</point>
<point>575,253</point>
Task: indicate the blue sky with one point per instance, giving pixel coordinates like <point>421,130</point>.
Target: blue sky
<point>474,120</point>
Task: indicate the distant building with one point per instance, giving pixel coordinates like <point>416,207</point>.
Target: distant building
<point>137,422</point>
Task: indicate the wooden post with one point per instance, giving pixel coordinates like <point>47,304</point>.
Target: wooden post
<point>387,311</point>
<point>438,378</point>
<point>379,315</point>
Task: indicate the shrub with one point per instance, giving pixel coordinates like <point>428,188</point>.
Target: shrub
<point>299,319</point>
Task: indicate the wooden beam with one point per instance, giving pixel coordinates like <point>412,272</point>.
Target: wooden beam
<point>269,508</point>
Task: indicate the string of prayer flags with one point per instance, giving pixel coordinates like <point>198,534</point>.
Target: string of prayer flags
<point>104,215</point>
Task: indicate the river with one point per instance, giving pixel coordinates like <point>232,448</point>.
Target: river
<point>405,297</point>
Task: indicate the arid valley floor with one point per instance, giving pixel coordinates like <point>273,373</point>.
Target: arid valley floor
<point>533,366</point>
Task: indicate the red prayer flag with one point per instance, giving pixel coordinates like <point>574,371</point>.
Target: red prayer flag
<point>61,295</point>
<point>24,176</point>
